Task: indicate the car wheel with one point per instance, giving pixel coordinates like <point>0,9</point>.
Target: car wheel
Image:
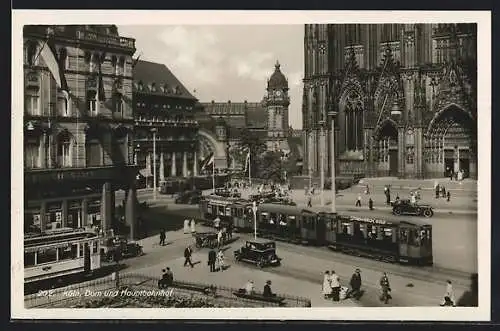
<point>419,211</point>
<point>428,213</point>
<point>260,264</point>
<point>396,211</point>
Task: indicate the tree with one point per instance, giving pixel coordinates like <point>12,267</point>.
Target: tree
<point>250,141</point>
<point>270,166</point>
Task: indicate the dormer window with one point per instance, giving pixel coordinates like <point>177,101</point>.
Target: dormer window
<point>153,87</point>
<point>141,86</point>
<point>177,90</point>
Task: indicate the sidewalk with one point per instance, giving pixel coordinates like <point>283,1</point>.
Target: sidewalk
<point>424,184</point>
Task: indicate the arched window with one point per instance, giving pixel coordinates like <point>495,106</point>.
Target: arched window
<point>93,150</point>
<point>64,104</point>
<point>64,149</point>
<point>63,57</point>
<point>118,103</point>
<point>32,103</point>
<point>92,103</point>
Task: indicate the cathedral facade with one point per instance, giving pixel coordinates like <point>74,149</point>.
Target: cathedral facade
<point>403,98</point>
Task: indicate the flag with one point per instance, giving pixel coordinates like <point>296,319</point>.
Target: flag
<point>208,161</point>
<point>247,160</point>
<point>48,54</point>
<point>136,60</point>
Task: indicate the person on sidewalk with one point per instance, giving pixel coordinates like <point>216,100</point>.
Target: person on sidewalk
<point>309,202</point>
<point>448,195</point>
<point>267,290</point>
<point>388,197</point>
<point>249,287</point>
<point>335,284</point>
<point>186,225</point>
<point>370,203</point>
<point>212,257</point>
<point>385,289</point>
<point>358,201</point>
<point>220,240</point>
<point>327,287</point>
<point>193,226</point>
<point>188,252</point>
<point>217,223</point>
<point>220,260</point>
<point>356,284</point>
<point>163,236</point>
<point>449,293</point>
<point>438,189</point>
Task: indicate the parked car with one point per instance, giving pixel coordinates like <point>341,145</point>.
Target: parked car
<point>406,207</point>
<point>259,252</point>
<point>113,246</point>
<point>188,197</point>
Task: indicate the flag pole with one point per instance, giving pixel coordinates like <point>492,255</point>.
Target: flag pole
<point>213,175</point>
<point>249,166</point>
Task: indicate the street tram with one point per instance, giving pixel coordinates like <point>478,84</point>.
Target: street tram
<point>214,206</point>
<point>60,252</point>
<point>395,240</point>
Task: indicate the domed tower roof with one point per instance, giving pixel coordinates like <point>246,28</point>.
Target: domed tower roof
<point>277,80</point>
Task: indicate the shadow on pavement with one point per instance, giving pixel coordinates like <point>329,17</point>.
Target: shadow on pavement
<point>157,217</point>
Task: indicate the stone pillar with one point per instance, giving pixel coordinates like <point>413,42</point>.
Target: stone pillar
<point>195,164</point>
<point>419,153</point>
<point>64,213</point>
<point>130,216</point>
<point>174,168</point>
<point>162,167</point>
<point>49,151</point>
<point>85,208</point>
<point>401,152</point>
<point>184,164</point>
<point>106,207</point>
<point>42,153</point>
<point>149,167</point>
<point>43,216</point>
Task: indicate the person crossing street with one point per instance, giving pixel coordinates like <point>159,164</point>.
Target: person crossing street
<point>188,252</point>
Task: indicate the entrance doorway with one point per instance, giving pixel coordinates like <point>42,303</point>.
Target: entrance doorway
<point>386,147</point>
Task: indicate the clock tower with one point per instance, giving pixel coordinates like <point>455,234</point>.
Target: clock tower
<point>276,103</point>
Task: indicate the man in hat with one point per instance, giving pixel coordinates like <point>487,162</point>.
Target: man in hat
<point>356,284</point>
<point>267,290</point>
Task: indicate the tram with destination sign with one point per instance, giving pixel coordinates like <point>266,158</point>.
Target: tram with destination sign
<point>60,252</point>
<point>393,240</point>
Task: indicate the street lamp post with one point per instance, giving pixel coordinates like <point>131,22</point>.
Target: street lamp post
<point>154,163</point>
<point>333,115</point>
<point>254,209</point>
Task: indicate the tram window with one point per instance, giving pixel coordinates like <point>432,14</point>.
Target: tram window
<point>328,224</point>
<point>264,217</point>
<point>67,253</point>
<point>403,236</point>
<point>29,259</point>
<point>346,228</point>
<point>413,238</point>
<point>80,250</point>
<point>47,256</point>
<point>308,223</point>
<point>292,220</point>
<point>228,212</point>
<point>386,234</point>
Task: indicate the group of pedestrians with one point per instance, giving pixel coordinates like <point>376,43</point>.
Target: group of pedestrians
<point>216,259</point>
<point>189,225</point>
<point>441,191</point>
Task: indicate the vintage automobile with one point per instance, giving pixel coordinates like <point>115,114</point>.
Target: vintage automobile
<point>117,245</point>
<point>279,201</point>
<point>188,197</point>
<point>259,252</point>
<point>405,207</point>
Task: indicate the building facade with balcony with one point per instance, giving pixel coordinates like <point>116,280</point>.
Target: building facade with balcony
<point>78,126</point>
<point>403,96</point>
<point>164,111</point>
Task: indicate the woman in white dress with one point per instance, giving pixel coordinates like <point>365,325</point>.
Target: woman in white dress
<point>220,260</point>
<point>327,288</point>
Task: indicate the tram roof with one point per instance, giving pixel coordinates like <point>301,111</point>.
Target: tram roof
<point>273,207</point>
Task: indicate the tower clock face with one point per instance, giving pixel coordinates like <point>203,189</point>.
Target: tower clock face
<point>277,93</point>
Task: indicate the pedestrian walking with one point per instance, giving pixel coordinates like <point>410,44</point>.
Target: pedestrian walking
<point>193,226</point>
<point>186,225</point>
<point>309,202</point>
<point>358,201</point>
<point>335,284</point>
<point>188,252</point>
<point>449,293</point>
<point>370,203</point>
<point>388,197</point>
<point>448,195</point>
<point>220,260</point>
<point>385,289</point>
<point>230,230</point>
<point>367,189</point>
<point>356,284</point>
<point>163,236</point>
<point>327,286</point>
<point>438,189</point>
<point>220,241</point>
<point>212,256</point>
<point>217,223</point>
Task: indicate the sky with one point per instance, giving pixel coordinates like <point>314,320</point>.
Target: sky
<point>226,62</point>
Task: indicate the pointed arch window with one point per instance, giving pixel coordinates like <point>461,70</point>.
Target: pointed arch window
<point>32,148</point>
<point>118,103</point>
<point>64,149</point>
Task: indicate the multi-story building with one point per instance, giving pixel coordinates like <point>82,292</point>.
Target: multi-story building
<point>267,119</point>
<point>403,97</point>
<point>78,126</point>
<point>164,109</point>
